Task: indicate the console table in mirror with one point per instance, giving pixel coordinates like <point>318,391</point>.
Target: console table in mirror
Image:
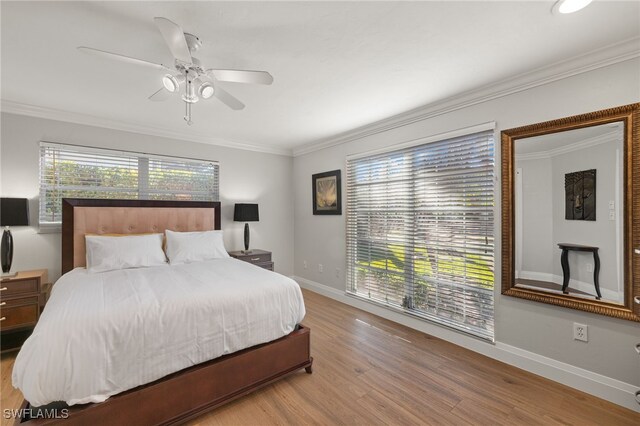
<point>573,185</point>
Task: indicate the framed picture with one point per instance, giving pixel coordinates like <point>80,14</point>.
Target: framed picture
<point>580,195</point>
<point>327,193</point>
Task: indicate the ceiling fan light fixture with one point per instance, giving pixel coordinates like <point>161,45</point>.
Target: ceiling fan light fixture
<point>206,90</point>
<point>170,83</point>
<point>569,6</point>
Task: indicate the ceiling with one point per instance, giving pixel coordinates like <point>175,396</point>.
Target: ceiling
<point>337,65</point>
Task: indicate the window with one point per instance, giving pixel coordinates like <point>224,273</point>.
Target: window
<point>69,171</point>
<point>420,230</point>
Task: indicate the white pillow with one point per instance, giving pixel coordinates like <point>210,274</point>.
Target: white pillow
<point>108,253</point>
<point>187,247</point>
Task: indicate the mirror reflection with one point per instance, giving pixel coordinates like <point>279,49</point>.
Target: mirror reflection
<point>568,208</point>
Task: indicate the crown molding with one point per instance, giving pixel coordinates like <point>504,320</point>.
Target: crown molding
<point>599,58</point>
<point>576,146</point>
<point>18,108</point>
<point>609,55</point>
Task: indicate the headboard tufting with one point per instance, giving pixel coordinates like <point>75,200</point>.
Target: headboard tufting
<point>81,216</point>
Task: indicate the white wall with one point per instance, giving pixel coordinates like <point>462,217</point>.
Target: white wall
<point>535,327</point>
<point>537,218</point>
<point>245,176</point>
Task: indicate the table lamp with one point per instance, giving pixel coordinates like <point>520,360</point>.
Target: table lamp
<point>13,212</point>
<point>246,213</point>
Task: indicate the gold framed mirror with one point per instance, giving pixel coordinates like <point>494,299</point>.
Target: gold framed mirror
<point>571,212</point>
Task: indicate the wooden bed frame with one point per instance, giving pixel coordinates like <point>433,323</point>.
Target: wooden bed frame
<point>189,393</point>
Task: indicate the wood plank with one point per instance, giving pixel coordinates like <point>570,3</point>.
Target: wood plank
<point>368,371</point>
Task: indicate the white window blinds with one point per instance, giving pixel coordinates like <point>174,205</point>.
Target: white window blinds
<point>69,171</point>
<point>420,231</point>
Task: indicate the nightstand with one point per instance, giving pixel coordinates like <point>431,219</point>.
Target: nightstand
<point>20,299</point>
<point>261,258</point>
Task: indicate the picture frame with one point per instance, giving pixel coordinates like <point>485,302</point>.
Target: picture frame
<point>580,195</point>
<point>327,193</point>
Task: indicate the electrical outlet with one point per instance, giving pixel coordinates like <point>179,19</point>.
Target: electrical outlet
<point>612,215</point>
<point>338,273</point>
<point>320,268</point>
<point>589,267</point>
<point>580,332</point>
<point>304,264</point>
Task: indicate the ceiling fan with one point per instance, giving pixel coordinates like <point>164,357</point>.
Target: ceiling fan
<point>188,72</point>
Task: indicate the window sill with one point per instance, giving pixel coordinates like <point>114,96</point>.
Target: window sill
<point>50,228</point>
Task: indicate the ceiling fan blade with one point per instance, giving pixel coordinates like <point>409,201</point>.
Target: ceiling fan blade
<point>160,95</point>
<point>242,76</point>
<point>228,99</point>
<point>174,37</point>
<point>122,58</point>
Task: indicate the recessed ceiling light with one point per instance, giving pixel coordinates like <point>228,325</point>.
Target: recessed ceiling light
<point>569,6</point>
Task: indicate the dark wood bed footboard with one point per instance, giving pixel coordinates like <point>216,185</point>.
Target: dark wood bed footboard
<point>189,393</point>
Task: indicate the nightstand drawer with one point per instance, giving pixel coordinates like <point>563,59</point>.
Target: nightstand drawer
<point>11,303</point>
<point>19,316</point>
<point>265,265</point>
<point>20,299</point>
<point>10,288</point>
<point>257,258</point>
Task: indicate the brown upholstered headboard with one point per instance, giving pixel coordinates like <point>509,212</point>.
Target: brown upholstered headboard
<point>81,216</point>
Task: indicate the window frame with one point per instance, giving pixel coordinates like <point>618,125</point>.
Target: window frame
<point>352,222</point>
<point>142,166</point>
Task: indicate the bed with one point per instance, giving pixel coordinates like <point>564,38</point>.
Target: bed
<point>171,376</point>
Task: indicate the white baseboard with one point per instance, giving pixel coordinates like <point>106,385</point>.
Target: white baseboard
<point>538,276</point>
<point>573,283</point>
<point>595,384</point>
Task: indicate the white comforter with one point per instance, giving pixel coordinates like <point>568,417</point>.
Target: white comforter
<point>104,333</point>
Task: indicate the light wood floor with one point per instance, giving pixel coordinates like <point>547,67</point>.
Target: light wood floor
<point>371,371</point>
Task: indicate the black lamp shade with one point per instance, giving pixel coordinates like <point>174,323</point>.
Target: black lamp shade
<point>246,213</point>
<point>14,212</point>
